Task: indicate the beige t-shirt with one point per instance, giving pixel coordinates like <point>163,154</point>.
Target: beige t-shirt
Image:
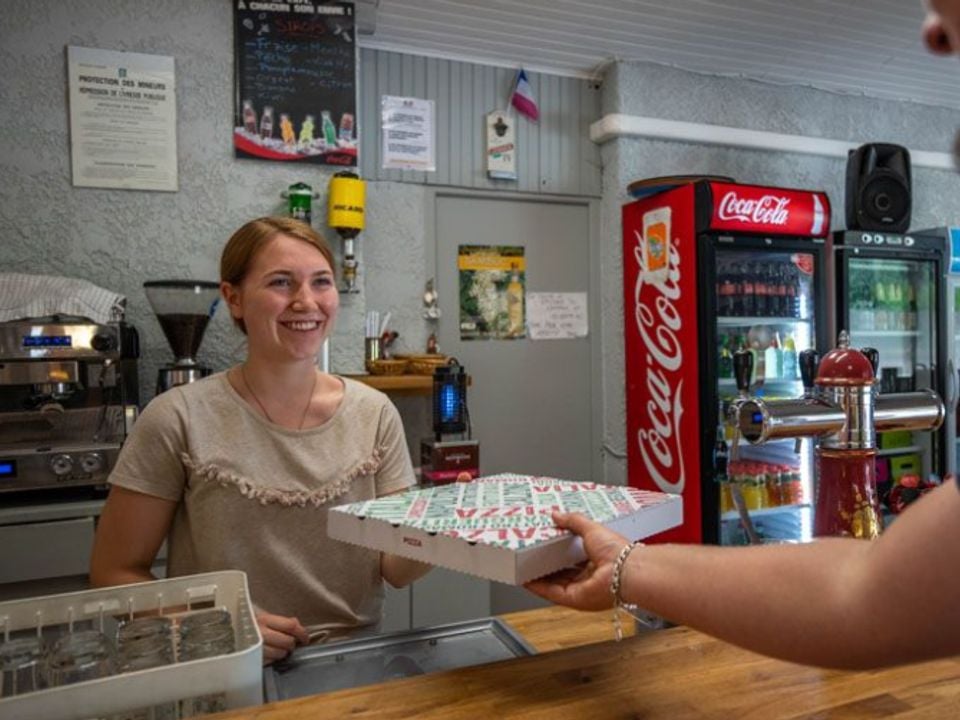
<point>253,496</point>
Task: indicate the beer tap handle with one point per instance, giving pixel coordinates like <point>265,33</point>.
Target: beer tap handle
<point>809,361</point>
<point>873,355</point>
<point>742,370</point>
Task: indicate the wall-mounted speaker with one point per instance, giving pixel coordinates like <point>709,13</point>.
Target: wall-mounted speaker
<point>878,188</point>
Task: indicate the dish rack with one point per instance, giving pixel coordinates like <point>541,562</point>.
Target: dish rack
<point>236,675</point>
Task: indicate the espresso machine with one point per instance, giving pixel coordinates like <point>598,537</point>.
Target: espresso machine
<point>68,398</point>
<point>843,410</point>
<point>183,309</point>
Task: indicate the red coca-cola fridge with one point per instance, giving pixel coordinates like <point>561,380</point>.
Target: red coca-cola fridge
<point>711,268</point>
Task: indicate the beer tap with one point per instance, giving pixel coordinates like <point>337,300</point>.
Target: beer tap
<point>742,370</point>
<point>845,412</point>
<point>873,356</point>
<point>808,361</point>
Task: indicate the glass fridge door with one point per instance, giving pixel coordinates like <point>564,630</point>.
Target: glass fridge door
<point>952,390</point>
<point>765,304</point>
<point>893,309</point>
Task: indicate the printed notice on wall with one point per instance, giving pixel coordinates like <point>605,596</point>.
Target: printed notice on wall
<point>556,316</point>
<point>407,133</point>
<point>123,120</point>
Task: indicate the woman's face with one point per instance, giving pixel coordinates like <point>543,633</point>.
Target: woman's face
<point>288,300</point>
<point>941,31</point>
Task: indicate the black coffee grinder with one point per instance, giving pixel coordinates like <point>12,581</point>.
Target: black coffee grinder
<point>183,308</point>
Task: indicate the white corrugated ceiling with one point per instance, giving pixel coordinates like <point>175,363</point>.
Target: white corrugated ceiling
<point>868,47</point>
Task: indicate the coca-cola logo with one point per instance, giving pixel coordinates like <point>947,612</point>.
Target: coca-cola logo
<point>768,210</point>
<point>658,323</point>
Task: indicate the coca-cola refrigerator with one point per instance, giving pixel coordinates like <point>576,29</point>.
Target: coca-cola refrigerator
<point>891,295</point>
<point>711,268</point>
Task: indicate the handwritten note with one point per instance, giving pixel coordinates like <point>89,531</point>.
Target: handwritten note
<point>556,316</point>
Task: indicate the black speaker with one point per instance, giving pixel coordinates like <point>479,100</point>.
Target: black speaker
<point>878,188</point>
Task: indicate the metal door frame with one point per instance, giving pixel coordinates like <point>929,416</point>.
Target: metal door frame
<point>434,194</point>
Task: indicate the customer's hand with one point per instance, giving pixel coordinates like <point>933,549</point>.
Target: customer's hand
<point>586,587</point>
<point>280,635</point>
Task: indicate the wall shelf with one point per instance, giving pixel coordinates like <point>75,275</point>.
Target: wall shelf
<point>400,384</point>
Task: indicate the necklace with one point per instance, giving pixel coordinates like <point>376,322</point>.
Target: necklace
<point>303,416</point>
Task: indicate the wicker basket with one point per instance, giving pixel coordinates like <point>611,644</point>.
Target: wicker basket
<point>425,364</point>
<point>387,367</point>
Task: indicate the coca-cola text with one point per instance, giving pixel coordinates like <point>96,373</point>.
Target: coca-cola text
<point>658,322</point>
<point>767,210</point>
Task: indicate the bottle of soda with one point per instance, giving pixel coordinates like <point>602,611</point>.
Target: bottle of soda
<point>329,131</point>
<point>747,298</point>
<point>761,291</point>
<point>725,292</point>
<point>249,117</point>
<point>266,123</point>
<point>783,309</point>
<point>725,359</point>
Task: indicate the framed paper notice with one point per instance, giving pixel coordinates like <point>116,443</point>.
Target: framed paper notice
<point>407,131</point>
<point>123,120</point>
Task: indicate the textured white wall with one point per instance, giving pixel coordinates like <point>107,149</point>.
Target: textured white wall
<point>656,91</point>
<point>118,239</point>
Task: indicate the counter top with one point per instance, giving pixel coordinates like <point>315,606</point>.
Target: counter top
<point>667,674</point>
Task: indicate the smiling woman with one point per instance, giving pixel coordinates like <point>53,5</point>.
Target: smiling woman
<point>237,471</point>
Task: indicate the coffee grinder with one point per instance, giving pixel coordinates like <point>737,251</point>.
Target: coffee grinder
<point>183,308</point>
<point>442,459</point>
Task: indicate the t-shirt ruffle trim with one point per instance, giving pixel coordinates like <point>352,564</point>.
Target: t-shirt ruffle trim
<point>210,472</point>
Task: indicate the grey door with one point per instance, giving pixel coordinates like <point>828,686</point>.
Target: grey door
<point>530,401</point>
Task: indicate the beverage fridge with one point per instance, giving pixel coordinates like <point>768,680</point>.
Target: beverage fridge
<point>891,296</point>
<point>711,268</point>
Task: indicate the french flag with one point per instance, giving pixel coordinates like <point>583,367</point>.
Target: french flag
<point>522,98</point>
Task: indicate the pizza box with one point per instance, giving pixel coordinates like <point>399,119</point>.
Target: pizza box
<point>499,527</point>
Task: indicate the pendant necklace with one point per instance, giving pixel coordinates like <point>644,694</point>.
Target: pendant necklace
<point>303,417</point>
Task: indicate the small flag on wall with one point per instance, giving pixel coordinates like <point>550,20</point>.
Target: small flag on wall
<point>522,98</point>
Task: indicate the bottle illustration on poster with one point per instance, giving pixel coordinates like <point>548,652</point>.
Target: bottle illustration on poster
<point>294,64</point>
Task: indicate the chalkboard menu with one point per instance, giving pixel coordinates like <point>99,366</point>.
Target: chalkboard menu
<point>296,88</point>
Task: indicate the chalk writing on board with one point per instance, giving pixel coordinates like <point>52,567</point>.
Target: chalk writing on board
<point>295,81</point>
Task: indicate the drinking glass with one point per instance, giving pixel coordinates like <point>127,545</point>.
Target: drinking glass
<point>80,656</point>
<point>21,666</point>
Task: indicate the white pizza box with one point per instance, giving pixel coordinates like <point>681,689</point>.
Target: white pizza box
<point>499,527</point>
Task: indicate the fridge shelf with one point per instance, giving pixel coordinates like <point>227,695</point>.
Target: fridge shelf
<point>731,383</point>
<point>734,515</point>
<point>885,333</point>
<point>899,450</point>
<point>738,321</point>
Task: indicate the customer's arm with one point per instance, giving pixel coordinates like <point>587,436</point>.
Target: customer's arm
<point>834,602</point>
<point>130,532</point>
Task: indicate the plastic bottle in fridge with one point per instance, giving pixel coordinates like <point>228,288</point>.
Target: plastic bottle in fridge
<point>789,357</point>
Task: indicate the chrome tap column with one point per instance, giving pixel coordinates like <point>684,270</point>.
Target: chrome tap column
<point>843,412</point>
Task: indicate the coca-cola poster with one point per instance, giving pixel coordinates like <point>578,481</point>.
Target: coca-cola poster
<point>295,82</point>
<point>660,343</point>
<point>767,211</point>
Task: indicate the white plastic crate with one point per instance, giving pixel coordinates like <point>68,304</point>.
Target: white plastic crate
<point>237,675</point>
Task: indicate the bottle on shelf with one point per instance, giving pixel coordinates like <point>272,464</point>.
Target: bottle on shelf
<point>789,357</point>
<point>747,298</point>
<point>783,305</point>
<point>761,287</point>
<point>725,358</point>
<point>773,358</point>
<point>721,459</point>
<point>725,293</point>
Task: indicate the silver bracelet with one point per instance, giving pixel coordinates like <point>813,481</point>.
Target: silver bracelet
<point>615,583</point>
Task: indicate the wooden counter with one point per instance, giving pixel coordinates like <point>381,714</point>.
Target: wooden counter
<point>668,674</point>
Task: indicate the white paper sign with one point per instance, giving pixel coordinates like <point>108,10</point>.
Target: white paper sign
<point>123,119</point>
<point>407,126</point>
<point>556,316</point>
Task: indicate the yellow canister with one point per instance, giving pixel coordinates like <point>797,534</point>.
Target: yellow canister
<point>346,203</point>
